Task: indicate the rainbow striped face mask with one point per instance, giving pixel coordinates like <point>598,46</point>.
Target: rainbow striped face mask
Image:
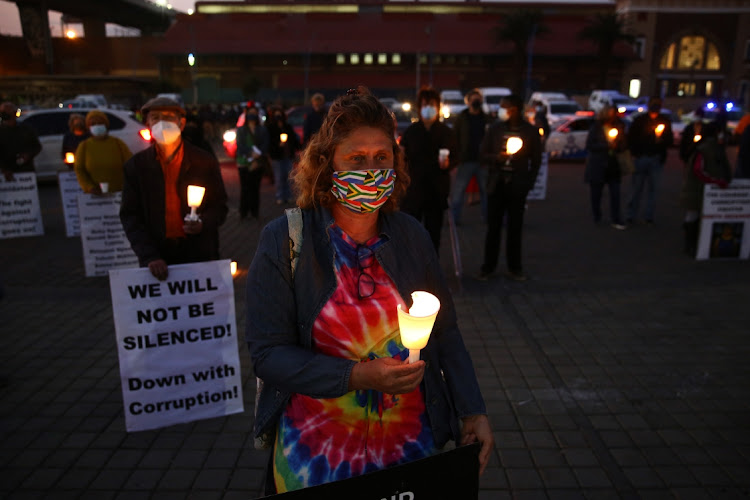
<point>363,191</point>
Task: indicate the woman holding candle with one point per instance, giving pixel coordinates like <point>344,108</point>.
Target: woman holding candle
<point>100,158</point>
<point>339,394</point>
<point>75,135</point>
<point>283,144</point>
<point>605,141</point>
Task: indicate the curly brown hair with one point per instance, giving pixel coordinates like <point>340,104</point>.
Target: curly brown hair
<point>312,178</point>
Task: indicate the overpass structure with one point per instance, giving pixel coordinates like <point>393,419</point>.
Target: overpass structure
<point>144,15</point>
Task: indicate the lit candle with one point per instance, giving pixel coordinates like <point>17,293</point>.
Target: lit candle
<point>233,267</point>
<point>416,325</point>
<point>659,129</point>
<point>697,137</point>
<point>70,158</point>
<point>195,198</point>
<point>541,131</point>
<point>612,134</point>
<point>513,145</point>
<point>283,138</point>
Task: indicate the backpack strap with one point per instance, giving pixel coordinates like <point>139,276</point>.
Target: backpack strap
<point>294,221</point>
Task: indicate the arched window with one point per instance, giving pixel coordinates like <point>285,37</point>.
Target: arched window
<point>692,53</point>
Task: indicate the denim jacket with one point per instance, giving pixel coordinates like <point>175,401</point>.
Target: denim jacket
<point>281,312</point>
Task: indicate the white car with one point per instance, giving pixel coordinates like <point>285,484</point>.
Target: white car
<point>492,97</point>
<point>567,140</point>
<point>452,103</point>
<point>561,109</point>
<point>51,124</point>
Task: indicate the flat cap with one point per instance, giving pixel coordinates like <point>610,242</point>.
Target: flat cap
<point>162,104</point>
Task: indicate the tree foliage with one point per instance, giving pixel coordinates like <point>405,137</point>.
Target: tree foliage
<point>605,30</point>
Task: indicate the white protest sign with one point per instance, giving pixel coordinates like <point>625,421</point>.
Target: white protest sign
<point>177,344</point>
<point>69,191</point>
<point>539,191</point>
<point>725,232</point>
<point>20,212</point>
<point>105,245</point>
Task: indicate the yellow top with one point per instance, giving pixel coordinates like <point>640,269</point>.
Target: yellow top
<point>101,160</point>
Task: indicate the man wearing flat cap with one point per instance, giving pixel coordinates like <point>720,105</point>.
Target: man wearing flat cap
<point>154,196</point>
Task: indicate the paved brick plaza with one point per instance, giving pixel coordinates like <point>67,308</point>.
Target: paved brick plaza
<point>619,371</point>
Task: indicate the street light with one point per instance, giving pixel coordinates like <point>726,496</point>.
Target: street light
<point>191,60</point>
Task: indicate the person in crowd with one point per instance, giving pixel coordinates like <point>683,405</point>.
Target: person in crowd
<point>100,158</point>
<point>252,156</point>
<point>283,144</point>
<point>742,169</point>
<point>314,118</point>
<point>339,397</point>
<point>427,196</point>
<point>193,133</point>
<point>706,162</point>
<point>154,195</point>
<point>469,129</point>
<point>19,144</point>
<point>75,135</point>
<point>511,176</point>
<point>606,139</point>
<point>649,137</point>
<point>540,119</point>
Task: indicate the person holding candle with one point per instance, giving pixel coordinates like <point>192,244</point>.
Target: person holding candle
<point>155,195</point>
<point>512,151</point>
<point>252,151</point>
<point>19,143</point>
<point>706,162</point>
<point>100,158</point>
<point>649,137</point>
<point>339,396</point>
<point>75,135</point>
<point>283,144</point>
<point>427,196</point>
<point>605,140</point>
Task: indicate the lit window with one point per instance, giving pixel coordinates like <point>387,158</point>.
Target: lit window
<point>691,53</point>
<point>340,59</point>
<point>368,58</point>
<point>382,58</point>
<point>692,49</point>
<point>667,60</point>
<point>422,58</point>
<point>712,58</point>
<point>354,58</point>
<point>396,58</point>
<point>709,87</point>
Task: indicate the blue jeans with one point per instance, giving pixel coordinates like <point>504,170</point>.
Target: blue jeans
<point>464,173</point>
<point>647,173</point>
<point>281,170</point>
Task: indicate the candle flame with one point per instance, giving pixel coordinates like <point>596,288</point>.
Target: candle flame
<point>70,158</point>
<point>283,137</point>
<point>513,145</point>
<point>613,133</point>
<point>195,195</point>
<point>416,325</point>
<point>541,131</point>
<point>233,267</point>
<point>659,129</point>
<point>697,137</point>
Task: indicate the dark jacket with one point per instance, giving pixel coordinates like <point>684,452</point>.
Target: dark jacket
<point>14,140</point>
<point>523,167</point>
<point>142,211</point>
<point>687,144</point>
<point>601,162</point>
<point>422,150</point>
<point>708,164</point>
<point>642,139</point>
<point>462,127</point>
<point>313,122</point>
<point>282,310</point>
<point>743,155</point>
<point>278,150</point>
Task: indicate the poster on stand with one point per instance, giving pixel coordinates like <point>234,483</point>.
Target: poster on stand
<point>20,210</point>
<point>725,222</point>
<point>105,245</point>
<point>177,343</point>
<point>69,191</point>
<point>539,191</point>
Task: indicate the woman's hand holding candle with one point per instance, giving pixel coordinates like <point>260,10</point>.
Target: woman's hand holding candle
<point>388,375</point>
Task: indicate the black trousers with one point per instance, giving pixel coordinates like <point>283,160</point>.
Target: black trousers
<point>430,211</point>
<point>250,191</point>
<point>507,199</point>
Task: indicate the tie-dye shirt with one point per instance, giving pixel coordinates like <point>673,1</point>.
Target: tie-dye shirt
<point>324,440</point>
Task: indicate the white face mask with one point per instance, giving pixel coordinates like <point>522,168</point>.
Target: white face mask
<point>165,132</point>
<point>98,130</point>
<point>502,114</point>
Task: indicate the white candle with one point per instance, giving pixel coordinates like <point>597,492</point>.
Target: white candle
<point>659,129</point>
<point>416,325</point>
<point>697,137</point>
<point>70,158</point>
<point>195,198</point>
<point>283,137</point>
<point>233,267</point>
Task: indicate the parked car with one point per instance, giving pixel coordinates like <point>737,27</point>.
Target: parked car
<point>624,104</point>
<point>51,124</point>
<point>560,109</point>
<point>452,103</point>
<point>567,139</point>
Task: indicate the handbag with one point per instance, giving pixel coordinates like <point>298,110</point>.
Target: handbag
<point>294,223</point>
<point>625,161</point>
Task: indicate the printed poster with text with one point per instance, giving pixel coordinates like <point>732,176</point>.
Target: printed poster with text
<point>105,245</point>
<point>20,212</point>
<point>177,344</point>
<point>725,222</point>
<point>69,191</point>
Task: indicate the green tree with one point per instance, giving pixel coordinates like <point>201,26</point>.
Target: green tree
<point>605,31</point>
<point>520,28</point>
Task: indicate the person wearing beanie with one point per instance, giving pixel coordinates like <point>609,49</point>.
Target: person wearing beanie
<point>154,195</point>
<point>99,159</point>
